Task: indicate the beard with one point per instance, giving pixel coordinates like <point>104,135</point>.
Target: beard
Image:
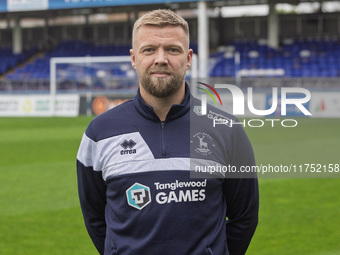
<point>162,87</point>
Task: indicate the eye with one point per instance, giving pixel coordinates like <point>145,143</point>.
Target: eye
<point>148,50</point>
<point>174,50</point>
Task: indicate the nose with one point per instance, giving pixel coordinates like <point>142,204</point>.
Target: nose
<point>161,57</point>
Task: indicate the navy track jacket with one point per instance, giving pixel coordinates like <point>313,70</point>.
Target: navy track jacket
<point>136,192</point>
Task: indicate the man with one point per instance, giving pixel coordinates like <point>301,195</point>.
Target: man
<point>133,164</point>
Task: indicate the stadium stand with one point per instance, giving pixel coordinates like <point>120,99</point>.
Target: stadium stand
<point>297,62</point>
<point>10,60</point>
<point>40,68</point>
<point>305,58</point>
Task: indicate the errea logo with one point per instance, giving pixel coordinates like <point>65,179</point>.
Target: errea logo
<point>128,145</point>
<point>138,196</point>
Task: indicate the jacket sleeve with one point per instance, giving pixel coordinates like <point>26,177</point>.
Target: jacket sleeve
<point>92,196</point>
<point>241,195</point>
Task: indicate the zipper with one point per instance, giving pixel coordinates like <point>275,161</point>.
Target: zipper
<point>163,137</point>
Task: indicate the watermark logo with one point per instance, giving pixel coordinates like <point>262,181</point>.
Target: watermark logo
<point>138,196</point>
<point>239,100</point>
<point>289,98</point>
<point>204,97</point>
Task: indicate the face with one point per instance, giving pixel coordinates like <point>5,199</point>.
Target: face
<point>161,57</point>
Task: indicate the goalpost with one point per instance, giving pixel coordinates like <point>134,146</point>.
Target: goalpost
<point>89,76</point>
<point>88,71</point>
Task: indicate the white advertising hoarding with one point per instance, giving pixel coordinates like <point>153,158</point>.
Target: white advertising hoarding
<point>39,105</point>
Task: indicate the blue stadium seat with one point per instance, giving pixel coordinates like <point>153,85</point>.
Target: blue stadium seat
<point>300,58</point>
<point>39,69</point>
<point>9,60</point>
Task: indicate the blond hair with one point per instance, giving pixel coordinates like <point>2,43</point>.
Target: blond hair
<point>160,18</point>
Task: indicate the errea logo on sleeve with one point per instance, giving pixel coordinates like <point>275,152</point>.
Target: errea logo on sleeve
<point>138,195</point>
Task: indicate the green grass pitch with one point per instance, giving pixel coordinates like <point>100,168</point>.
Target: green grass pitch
<point>39,208</point>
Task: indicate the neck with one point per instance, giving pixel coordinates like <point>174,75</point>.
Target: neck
<point>161,106</point>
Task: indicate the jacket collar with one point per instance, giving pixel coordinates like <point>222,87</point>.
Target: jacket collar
<point>176,111</point>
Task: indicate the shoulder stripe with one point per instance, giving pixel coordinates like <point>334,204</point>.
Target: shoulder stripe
<point>87,152</point>
<point>113,150</point>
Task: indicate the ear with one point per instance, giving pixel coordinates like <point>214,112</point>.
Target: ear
<point>133,60</point>
<point>189,58</point>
